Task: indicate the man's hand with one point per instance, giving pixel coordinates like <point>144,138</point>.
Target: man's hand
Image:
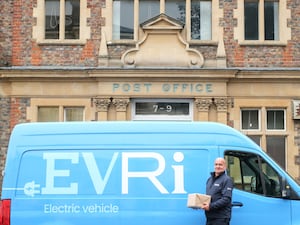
<point>205,206</point>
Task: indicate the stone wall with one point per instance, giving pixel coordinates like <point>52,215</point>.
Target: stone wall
<point>297,142</point>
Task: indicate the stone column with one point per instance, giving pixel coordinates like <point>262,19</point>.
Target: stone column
<point>102,105</point>
<point>222,109</point>
<point>121,107</point>
<point>203,105</point>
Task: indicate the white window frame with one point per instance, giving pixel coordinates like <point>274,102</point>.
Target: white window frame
<point>266,121</point>
<point>259,118</point>
<point>162,117</point>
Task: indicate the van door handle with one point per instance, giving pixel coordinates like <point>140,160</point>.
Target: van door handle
<point>236,204</point>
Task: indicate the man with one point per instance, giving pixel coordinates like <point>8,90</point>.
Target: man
<point>219,186</point>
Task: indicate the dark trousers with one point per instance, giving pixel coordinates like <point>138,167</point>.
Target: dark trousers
<point>217,221</point>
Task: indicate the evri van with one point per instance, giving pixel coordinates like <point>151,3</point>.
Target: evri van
<point>132,173</point>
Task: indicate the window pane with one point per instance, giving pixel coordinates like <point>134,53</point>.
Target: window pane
<point>276,149</point>
<point>162,108</point>
<point>73,114</point>
<point>148,9</point>
<point>52,19</point>
<point>255,138</point>
<point>253,174</point>
<point>251,20</point>
<point>275,120</point>
<point>234,171</point>
<point>72,18</point>
<point>201,20</point>
<point>243,168</point>
<point>123,19</point>
<point>48,114</point>
<point>250,119</point>
<point>176,9</point>
<point>272,180</point>
<point>271,20</point>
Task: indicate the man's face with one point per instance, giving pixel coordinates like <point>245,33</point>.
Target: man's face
<point>220,166</point>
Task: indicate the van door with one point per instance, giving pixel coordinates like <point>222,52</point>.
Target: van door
<point>257,197</point>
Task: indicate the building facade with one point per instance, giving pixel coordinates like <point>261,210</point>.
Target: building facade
<point>231,61</point>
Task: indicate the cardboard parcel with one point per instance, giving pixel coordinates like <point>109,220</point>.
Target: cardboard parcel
<point>196,200</point>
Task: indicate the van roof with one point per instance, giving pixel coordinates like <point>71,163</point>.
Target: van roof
<point>128,133</point>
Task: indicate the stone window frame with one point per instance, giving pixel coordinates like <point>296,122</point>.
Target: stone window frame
<point>38,31</point>
<point>216,31</point>
<point>189,117</point>
<point>35,103</point>
<point>284,29</point>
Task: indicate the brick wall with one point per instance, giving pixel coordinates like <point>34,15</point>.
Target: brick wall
<point>6,10</point>
<point>12,112</point>
<point>25,51</point>
<point>261,56</point>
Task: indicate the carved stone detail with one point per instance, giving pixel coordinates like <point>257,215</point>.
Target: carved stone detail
<point>102,104</point>
<point>203,104</point>
<point>162,45</point>
<point>121,103</point>
<point>223,103</point>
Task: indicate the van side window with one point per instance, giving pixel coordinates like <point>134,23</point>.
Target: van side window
<point>252,174</point>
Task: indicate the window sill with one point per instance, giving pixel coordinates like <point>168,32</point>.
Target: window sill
<point>122,42</point>
<point>62,42</point>
<point>262,43</point>
<point>203,42</point>
<point>133,42</point>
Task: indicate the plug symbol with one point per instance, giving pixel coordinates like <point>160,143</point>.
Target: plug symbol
<point>31,189</point>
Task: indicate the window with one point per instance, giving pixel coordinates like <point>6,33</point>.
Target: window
<point>199,16</point>
<point>255,138</point>
<point>122,19</point>
<point>250,119</point>
<point>162,109</point>
<point>263,22</point>
<point>53,114</point>
<point>275,119</point>
<point>201,20</point>
<point>251,20</point>
<point>176,9</point>
<point>276,148</point>
<point>148,9</point>
<point>48,114</point>
<point>62,19</point>
<point>251,173</point>
<point>271,11</point>
<point>271,134</point>
<point>73,113</point>
<point>270,18</point>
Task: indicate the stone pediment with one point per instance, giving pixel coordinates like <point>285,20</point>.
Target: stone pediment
<point>161,44</point>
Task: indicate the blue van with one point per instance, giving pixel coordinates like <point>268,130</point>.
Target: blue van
<point>133,173</point>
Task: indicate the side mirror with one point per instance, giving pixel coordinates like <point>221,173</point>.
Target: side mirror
<point>285,189</point>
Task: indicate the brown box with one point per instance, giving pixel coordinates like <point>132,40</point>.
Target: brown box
<point>196,200</point>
